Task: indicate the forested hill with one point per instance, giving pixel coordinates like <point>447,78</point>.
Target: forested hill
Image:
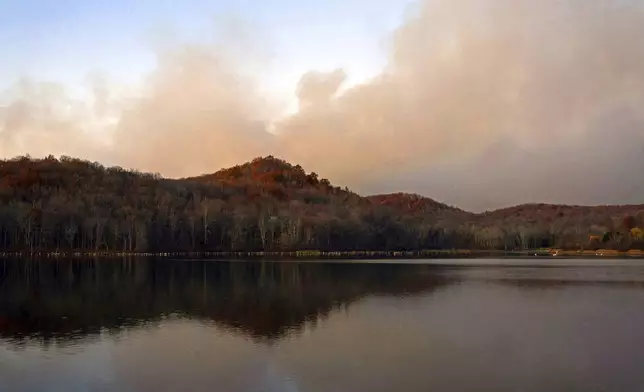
<point>268,204</point>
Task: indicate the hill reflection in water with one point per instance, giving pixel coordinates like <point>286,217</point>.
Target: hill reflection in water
<point>62,301</point>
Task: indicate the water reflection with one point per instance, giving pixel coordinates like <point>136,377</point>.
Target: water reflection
<point>67,300</point>
<point>162,325</point>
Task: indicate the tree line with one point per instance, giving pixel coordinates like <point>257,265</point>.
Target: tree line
<point>68,204</point>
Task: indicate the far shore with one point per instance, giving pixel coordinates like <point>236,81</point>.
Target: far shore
<point>314,254</point>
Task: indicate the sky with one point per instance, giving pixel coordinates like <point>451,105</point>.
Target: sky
<point>67,41</point>
<point>477,103</point>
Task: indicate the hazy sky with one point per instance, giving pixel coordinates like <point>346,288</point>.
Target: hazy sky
<point>478,103</point>
<point>66,40</point>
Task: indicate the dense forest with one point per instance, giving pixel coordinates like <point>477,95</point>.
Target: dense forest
<point>66,204</point>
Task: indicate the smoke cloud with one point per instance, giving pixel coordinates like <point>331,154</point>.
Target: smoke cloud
<point>195,116</point>
<point>41,119</point>
<point>482,104</point>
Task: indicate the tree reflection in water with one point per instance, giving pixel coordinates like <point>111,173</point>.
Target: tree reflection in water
<point>62,301</point>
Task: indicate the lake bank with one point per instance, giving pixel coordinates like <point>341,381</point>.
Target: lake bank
<point>423,254</point>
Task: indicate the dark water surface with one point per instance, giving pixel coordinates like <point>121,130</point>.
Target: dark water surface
<point>163,325</point>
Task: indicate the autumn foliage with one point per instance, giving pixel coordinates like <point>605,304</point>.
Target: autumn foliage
<point>268,204</point>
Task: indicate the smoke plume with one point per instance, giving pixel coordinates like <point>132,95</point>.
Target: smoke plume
<point>482,104</point>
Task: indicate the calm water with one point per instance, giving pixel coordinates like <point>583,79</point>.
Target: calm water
<point>484,325</point>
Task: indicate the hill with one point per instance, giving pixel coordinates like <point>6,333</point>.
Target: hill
<point>270,176</point>
<point>413,204</point>
<point>566,226</point>
<point>268,204</point>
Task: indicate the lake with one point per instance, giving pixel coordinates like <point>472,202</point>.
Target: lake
<point>540,324</point>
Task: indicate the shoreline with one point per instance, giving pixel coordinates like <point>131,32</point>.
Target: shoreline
<point>353,255</point>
